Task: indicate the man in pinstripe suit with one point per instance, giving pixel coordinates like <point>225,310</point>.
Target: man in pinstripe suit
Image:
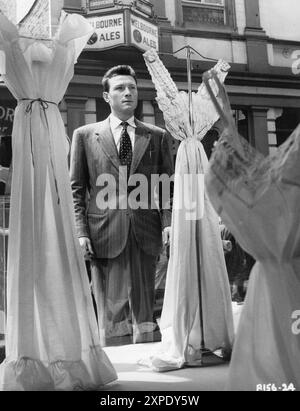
<point>122,241</point>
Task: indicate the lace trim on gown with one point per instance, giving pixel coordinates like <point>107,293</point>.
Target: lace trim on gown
<point>175,104</point>
<point>44,50</point>
<point>244,171</point>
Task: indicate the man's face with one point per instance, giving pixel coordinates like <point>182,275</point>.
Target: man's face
<point>122,96</point>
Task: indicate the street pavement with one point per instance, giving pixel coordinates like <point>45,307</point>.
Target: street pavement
<point>134,377</point>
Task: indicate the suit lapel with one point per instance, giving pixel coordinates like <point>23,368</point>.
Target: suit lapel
<point>142,139</point>
<point>106,139</point>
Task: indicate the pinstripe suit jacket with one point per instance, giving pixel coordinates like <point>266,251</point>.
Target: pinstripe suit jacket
<point>94,155</point>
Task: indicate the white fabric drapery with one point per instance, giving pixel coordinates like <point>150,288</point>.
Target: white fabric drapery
<point>52,340</point>
<point>196,246</point>
<point>258,200</point>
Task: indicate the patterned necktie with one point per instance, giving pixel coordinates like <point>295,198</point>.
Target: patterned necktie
<point>125,154</point>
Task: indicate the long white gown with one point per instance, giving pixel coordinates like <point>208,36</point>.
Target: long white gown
<point>258,199</point>
<point>196,246</point>
<point>52,341</point>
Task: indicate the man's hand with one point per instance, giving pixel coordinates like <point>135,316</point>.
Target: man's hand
<point>167,236</point>
<point>86,246</point>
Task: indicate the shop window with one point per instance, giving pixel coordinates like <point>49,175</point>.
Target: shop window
<point>286,124</point>
<point>96,5</point>
<point>211,138</point>
<point>73,5</point>
<point>7,109</point>
<point>202,14</point>
<point>209,141</point>
<point>241,117</point>
<point>143,6</point>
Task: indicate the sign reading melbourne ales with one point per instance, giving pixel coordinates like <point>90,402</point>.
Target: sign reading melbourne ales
<point>109,31</point>
<point>100,4</point>
<point>144,34</point>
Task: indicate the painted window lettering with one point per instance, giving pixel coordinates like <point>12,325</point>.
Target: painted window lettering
<point>296,62</point>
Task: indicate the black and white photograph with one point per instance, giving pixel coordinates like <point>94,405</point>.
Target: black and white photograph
<point>149,198</point>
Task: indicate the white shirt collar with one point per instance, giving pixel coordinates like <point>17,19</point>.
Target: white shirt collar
<point>115,122</point>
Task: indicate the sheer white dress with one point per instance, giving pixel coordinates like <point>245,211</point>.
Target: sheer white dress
<point>196,248</point>
<point>52,341</point>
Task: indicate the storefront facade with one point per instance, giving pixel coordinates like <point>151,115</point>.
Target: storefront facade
<point>260,40</point>
<point>263,82</point>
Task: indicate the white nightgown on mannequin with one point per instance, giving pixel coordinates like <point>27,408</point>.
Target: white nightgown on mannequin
<point>258,199</point>
<point>52,341</point>
<point>195,248</point>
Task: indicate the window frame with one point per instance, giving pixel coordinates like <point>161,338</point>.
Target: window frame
<point>229,16</point>
<point>205,3</point>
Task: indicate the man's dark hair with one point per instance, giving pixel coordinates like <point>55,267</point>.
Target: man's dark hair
<point>117,71</point>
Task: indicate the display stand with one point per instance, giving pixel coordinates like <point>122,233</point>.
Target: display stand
<point>206,357</point>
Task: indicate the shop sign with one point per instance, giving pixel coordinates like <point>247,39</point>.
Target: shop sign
<point>144,35</point>
<point>100,4</point>
<point>144,6</point>
<point>109,31</point>
<point>7,113</point>
<point>6,118</point>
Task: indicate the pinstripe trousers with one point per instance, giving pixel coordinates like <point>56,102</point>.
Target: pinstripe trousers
<point>123,289</point>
